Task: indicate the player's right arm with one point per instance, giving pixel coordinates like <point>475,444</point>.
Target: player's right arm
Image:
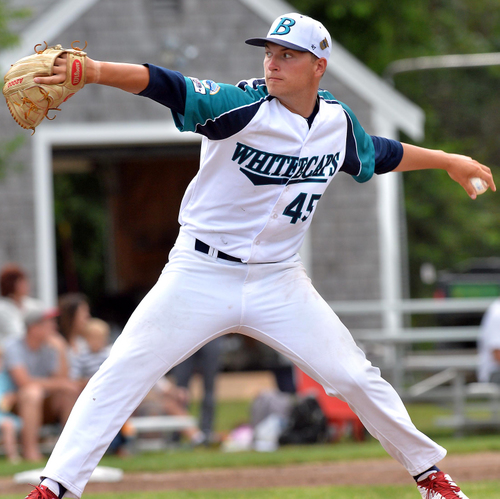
<point>460,168</point>
<point>132,78</point>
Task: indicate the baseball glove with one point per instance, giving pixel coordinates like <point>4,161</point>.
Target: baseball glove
<point>29,102</point>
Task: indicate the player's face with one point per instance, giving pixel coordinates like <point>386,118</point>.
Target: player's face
<point>290,74</point>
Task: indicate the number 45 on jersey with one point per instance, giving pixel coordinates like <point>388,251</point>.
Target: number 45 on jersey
<point>295,210</point>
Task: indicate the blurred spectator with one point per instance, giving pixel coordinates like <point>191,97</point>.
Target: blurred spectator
<point>14,301</point>
<point>74,313</point>
<point>206,362</point>
<point>9,422</point>
<point>44,393</point>
<point>168,399</point>
<point>90,357</point>
<point>489,345</point>
<point>87,357</point>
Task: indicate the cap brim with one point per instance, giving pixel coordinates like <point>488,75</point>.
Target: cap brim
<point>51,314</point>
<point>261,42</point>
<point>36,316</point>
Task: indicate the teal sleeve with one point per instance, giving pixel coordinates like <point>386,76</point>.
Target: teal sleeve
<point>208,105</point>
<point>360,149</point>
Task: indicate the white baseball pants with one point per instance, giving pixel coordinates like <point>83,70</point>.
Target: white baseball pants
<point>198,298</point>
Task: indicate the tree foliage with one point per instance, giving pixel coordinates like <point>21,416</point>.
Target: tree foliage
<point>461,106</point>
<point>7,15</point>
<point>7,40</point>
<point>380,31</point>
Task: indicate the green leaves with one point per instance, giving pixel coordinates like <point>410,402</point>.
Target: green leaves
<point>7,14</point>
<point>9,39</point>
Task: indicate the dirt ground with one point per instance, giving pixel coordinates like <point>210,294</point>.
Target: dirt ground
<point>463,468</point>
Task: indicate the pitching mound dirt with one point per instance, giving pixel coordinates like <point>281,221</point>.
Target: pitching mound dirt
<point>476,467</point>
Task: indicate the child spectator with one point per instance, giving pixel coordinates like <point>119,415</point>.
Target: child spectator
<point>89,359</point>
<point>9,422</point>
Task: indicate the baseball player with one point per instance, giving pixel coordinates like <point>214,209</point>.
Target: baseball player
<point>271,146</point>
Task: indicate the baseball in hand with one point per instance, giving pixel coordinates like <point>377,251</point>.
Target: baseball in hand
<point>480,186</point>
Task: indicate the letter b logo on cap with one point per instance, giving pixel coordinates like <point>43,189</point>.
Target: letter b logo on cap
<point>284,26</point>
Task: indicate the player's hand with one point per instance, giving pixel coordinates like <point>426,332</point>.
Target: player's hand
<point>59,75</point>
<point>60,72</point>
<point>462,168</point>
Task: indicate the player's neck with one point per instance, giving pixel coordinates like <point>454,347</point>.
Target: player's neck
<point>301,107</point>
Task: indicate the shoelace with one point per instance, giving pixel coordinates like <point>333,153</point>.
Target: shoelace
<point>438,483</point>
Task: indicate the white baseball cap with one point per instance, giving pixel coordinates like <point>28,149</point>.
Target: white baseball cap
<point>38,312</point>
<point>297,32</point>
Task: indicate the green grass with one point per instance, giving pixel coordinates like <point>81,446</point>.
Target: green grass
<point>485,490</point>
<point>186,459</point>
<point>230,415</point>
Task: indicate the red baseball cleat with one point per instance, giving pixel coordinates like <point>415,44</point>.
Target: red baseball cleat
<point>439,485</point>
<point>41,492</point>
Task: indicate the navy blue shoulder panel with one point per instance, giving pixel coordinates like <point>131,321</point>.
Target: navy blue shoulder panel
<point>166,87</point>
<point>240,109</point>
<point>231,122</point>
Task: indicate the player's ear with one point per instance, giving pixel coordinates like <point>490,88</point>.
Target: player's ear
<point>321,66</point>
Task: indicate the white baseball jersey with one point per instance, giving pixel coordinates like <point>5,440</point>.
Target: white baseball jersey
<point>263,170</point>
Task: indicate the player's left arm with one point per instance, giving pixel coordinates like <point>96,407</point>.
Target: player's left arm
<point>460,168</point>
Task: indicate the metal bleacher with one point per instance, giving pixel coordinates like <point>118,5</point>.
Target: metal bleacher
<point>444,372</point>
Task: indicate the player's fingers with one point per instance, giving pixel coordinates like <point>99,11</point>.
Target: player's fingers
<point>484,173</point>
<point>487,176</point>
<point>58,72</point>
<point>479,178</point>
<point>465,169</point>
<point>470,190</point>
<point>60,65</point>
<point>50,80</point>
